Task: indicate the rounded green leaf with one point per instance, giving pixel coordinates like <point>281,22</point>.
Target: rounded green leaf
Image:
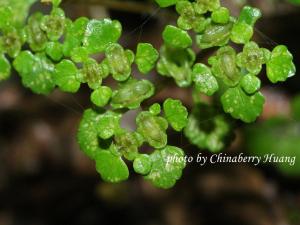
<point>155,109</point>
<point>175,113</point>
<point>280,66</point>
<point>127,143</point>
<point>5,14</point>
<point>11,41</point>
<point>250,83</point>
<point>104,66</point>
<point>92,73</point>
<point>108,124</point>
<point>111,167</point>
<point>37,72</point>
<point>14,12</point>
<point>249,15</point>
<point>142,164</point>
<point>224,66</point>
<point>100,33</point>
<point>5,68</point>
<point>74,34</point>
<point>167,166</point>
<point>202,6</point>
<point>65,76</point>
<point>87,135</point>
<point>131,93</point>
<point>221,15</point>
<point>187,14</point>
<point>54,24</point>
<point>152,128</point>
<point>188,18</point>
<point>54,50</point>
<point>146,57</point>
<point>166,3</point>
<point>252,58</point>
<point>267,54</point>
<point>205,82</point>
<point>241,105</point>
<point>214,35</point>
<point>242,30</point>
<point>200,24</point>
<point>241,33</point>
<point>101,96</point>
<point>79,54</point>
<point>119,61</point>
<point>176,37</point>
<point>36,37</point>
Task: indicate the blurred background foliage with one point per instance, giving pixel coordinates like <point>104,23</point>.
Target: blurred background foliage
<point>295,1</point>
<point>45,179</point>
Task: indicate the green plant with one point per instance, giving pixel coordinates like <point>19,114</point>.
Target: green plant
<point>52,61</point>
